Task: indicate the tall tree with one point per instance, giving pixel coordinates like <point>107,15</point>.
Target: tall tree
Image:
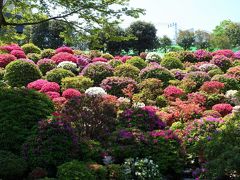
<point>185,39</point>
<point>164,43</point>
<point>48,34</point>
<point>146,36</point>
<point>202,39</point>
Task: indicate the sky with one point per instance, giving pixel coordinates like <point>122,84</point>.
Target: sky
<point>188,14</point>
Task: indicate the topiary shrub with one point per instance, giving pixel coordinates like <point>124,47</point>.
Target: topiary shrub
<point>80,83</point>
<point>75,170</point>
<point>115,85</point>
<point>172,63</point>
<point>34,57</point>
<point>153,57</point>
<point>56,75</point>
<point>18,54</point>
<point>114,63</point>
<point>198,77</point>
<point>156,71</point>
<point>202,55</point>
<point>47,53</point>
<point>107,56</point>
<point>64,56</point>
<point>12,166</point>
<point>187,56</point>
<point>98,71</point>
<point>69,66</point>
<point>20,73</point>
<point>137,62</point>
<point>5,59</point>
<point>64,49</point>
<point>214,72</point>
<point>31,48</point>
<point>53,143</point>
<point>229,82</point>
<point>46,65</point>
<point>127,70</point>
<point>16,123</point>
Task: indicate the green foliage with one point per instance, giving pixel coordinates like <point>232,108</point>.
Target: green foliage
<point>185,39</point>
<point>80,83</point>
<point>224,147</point>
<point>47,53</point>
<point>229,83</point>
<point>164,43</point>
<point>214,72</point>
<point>48,34</point>
<point>16,123</point>
<point>97,72</point>
<point>31,48</point>
<point>127,70</point>
<point>56,75</point>
<point>172,63</point>
<point>46,66</point>
<point>107,56</point>
<point>12,166</point>
<point>2,72</point>
<point>34,57</point>
<point>114,62</point>
<point>75,170</point>
<point>20,73</point>
<point>161,101</point>
<point>187,56</point>
<point>137,62</point>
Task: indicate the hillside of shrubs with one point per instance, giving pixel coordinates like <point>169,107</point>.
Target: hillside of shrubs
<point>67,114</point>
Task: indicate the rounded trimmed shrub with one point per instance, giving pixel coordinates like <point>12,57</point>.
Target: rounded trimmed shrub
<point>137,62</point>
<point>187,56</point>
<point>31,48</point>
<point>127,70</point>
<point>222,61</point>
<point>115,85</point>
<point>172,63</point>
<point>198,77</point>
<point>46,65</point>
<point>56,75</point>
<point>69,66</point>
<point>157,71</point>
<point>20,73</point>
<point>75,170</point>
<point>80,83</point>
<point>47,53</point>
<point>71,93</point>
<point>107,56</point>
<point>153,57</point>
<point>12,166</point>
<point>64,49</point>
<point>97,71</point>
<point>115,63</point>
<point>20,110</point>
<point>64,56</point>
<point>202,55</point>
<point>229,82</point>
<point>18,54</point>
<point>34,57</point>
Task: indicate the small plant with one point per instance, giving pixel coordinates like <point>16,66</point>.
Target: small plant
<point>127,70</point>
<point>172,63</point>
<point>56,75</point>
<point>31,48</point>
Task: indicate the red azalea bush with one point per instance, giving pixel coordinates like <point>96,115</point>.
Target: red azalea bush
<point>18,54</point>
<point>37,85</point>
<point>225,52</point>
<point>99,59</point>
<point>5,59</point>
<point>64,56</point>
<point>223,109</point>
<point>52,95</point>
<point>64,49</point>
<point>50,86</point>
<point>70,93</point>
<point>212,86</point>
<point>203,55</point>
<point>83,60</point>
<point>145,119</point>
<point>173,92</point>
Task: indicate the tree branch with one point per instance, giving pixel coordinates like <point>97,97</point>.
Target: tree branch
<point>4,23</point>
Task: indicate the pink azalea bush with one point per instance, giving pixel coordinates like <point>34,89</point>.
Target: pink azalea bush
<point>223,109</point>
<point>70,93</point>
<point>202,55</point>
<point>173,92</point>
<point>212,86</point>
<point>5,59</point>
<point>64,49</point>
<point>50,86</point>
<point>18,54</point>
<point>37,85</point>
<point>64,56</point>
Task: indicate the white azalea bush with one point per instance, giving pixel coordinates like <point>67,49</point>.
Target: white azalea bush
<point>233,96</point>
<point>153,57</point>
<point>141,169</point>
<point>68,65</point>
<point>95,91</point>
